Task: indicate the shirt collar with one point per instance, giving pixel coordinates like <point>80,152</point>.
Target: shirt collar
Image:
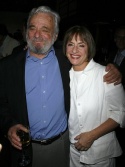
<point>88,68</point>
<point>33,58</point>
<point>123,53</point>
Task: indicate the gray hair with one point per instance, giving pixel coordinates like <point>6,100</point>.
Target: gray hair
<point>45,9</point>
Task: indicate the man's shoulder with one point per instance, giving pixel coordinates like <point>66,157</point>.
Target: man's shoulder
<point>19,49</point>
<point>17,54</point>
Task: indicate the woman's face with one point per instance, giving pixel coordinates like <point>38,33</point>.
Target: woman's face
<point>77,53</point>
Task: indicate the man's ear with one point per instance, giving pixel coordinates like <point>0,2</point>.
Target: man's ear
<point>55,38</point>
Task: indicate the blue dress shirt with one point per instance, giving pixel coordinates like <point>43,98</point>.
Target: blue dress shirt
<point>45,96</point>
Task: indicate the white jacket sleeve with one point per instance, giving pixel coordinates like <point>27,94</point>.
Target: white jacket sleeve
<point>115,97</point>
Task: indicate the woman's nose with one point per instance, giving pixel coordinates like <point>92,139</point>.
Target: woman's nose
<point>75,49</point>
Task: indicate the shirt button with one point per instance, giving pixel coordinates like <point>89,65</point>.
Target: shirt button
<point>41,63</point>
<point>43,76</point>
<point>78,104</point>
<point>44,91</point>
<point>38,137</point>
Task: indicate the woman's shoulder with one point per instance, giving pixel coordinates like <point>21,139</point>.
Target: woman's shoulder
<point>99,67</point>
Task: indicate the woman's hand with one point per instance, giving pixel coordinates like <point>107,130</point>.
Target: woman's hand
<point>113,75</point>
<point>84,141</point>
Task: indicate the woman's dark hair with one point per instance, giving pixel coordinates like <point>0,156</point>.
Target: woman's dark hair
<point>85,36</point>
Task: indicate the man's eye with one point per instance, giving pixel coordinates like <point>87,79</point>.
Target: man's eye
<point>45,30</point>
<point>31,28</point>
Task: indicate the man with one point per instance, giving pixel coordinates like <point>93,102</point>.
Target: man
<point>117,55</point>
<point>34,88</point>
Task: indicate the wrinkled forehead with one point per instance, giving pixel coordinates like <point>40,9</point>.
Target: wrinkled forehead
<point>42,16</point>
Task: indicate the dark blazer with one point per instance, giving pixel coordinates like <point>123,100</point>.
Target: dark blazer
<point>121,67</point>
<point>13,107</point>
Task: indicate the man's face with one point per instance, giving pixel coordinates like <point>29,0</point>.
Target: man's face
<point>40,33</point>
<point>120,39</point>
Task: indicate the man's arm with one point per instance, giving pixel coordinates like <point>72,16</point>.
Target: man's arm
<point>113,75</point>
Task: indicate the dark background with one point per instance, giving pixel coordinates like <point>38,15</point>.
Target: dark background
<point>101,16</point>
<point>89,10</point>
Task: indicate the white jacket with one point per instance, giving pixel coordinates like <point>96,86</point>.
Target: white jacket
<point>92,103</point>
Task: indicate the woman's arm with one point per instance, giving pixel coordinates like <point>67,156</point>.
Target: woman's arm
<point>115,97</point>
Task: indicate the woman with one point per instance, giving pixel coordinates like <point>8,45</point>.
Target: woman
<point>97,108</point>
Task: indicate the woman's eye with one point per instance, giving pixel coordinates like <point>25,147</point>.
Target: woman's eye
<point>69,44</point>
<point>81,46</point>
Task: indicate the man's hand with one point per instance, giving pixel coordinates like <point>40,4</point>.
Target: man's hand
<point>13,137</point>
<point>113,75</point>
